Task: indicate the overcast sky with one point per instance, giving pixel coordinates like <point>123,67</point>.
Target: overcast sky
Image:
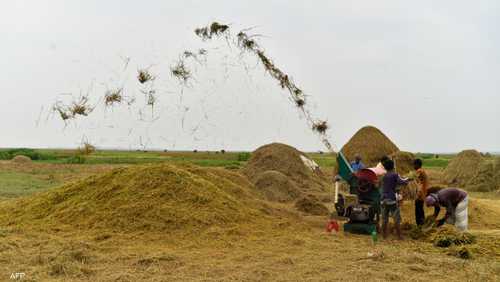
<point>427,73</point>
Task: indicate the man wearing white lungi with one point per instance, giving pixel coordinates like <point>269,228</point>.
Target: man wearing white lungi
<point>455,201</point>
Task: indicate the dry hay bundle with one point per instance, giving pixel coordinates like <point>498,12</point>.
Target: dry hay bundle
<point>181,72</point>
<point>112,97</point>
<point>144,76</point>
<point>286,160</point>
<point>447,235</point>
<point>275,186</point>
<point>311,205</point>
<point>156,198</point>
<point>488,177</point>
<point>80,107</point>
<point>371,144</point>
<point>214,29</point>
<point>21,159</point>
<point>463,168</point>
<point>409,192</point>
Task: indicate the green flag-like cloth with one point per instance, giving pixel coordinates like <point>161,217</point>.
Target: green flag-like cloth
<point>345,169</point>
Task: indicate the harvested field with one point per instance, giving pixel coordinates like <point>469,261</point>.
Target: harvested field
<point>183,222</point>
<point>157,182</point>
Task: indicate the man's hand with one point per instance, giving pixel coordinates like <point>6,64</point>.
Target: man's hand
<point>440,222</point>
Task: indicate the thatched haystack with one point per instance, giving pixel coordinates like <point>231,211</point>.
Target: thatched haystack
<point>371,144</point>
<point>286,160</point>
<point>463,168</point>
<point>21,159</point>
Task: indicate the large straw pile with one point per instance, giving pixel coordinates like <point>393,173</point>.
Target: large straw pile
<point>488,177</point>
<point>155,198</point>
<point>286,160</point>
<point>371,144</point>
<point>403,161</point>
<point>275,186</point>
<point>21,159</point>
<point>463,168</point>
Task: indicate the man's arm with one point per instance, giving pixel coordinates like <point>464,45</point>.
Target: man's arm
<point>450,210</point>
<point>437,209</point>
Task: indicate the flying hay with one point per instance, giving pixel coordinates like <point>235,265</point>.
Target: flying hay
<point>79,107</point>
<point>113,97</point>
<point>181,72</point>
<point>214,29</point>
<point>248,44</point>
<point>320,126</point>
<point>144,76</point>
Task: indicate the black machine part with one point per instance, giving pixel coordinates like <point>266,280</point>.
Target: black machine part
<point>340,205</point>
<point>360,213</point>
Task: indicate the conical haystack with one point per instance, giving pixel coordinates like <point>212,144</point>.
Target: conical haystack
<point>21,159</point>
<point>286,160</point>
<point>488,177</point>
<point>371,144</point>
<point>463,168</point>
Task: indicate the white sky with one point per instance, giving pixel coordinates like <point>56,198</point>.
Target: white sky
<point>425,72</point>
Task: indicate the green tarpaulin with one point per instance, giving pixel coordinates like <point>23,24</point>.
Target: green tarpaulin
<point>345,169</point>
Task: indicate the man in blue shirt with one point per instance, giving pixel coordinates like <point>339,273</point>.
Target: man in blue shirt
<point>357,164</point>
<point>390,200</point>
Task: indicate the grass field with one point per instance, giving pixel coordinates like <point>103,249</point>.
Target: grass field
<point>25,179</point>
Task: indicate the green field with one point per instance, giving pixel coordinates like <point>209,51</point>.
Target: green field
<point>55,167</point>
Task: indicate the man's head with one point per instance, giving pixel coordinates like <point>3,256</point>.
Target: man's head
<point>431,200</point>
<point>383,159</point>
<point>388,164</point>
<point>417,164</point>
<point>357,158</point>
